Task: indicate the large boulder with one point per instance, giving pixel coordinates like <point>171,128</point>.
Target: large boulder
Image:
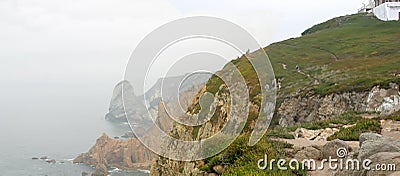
<point>331,148</point>
<point>380,150</point>
<point>372,144</point>
<point>309,152</point>
<point>369,137</point>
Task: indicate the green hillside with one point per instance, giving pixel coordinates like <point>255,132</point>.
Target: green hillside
<point>351,53</point>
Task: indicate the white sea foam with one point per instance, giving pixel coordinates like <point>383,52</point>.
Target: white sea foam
<point>145,171</point>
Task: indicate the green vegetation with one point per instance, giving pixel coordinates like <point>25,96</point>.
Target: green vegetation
<point>284,133</point>
<point>195,132</point>
<point>353,133</point>
<point>279,132</point>
<point>345,119</point>
<point>346,134</point>
<point>345,54</point>
<point>242,158</point>
<point>395,116</point>
<point>352,53</point>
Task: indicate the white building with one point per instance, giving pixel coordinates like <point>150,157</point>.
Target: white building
<point>367,7</point>
<point>387,10</point>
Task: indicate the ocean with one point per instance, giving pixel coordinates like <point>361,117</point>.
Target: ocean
<point>53,119</point>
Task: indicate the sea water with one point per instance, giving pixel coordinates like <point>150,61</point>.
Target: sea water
<point>57,120</point>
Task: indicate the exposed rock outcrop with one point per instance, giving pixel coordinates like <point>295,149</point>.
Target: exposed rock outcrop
<point>133,105</point>
<point>124,154</point>
<point>221,106</point>
<point>317,135</point>
<point>291,111</point>
<point>168,87</point>
<point>131,154</point>
<point>143,109</point>
<point>310,108</point>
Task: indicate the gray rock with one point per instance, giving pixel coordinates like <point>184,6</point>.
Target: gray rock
<point>330,149</point>
<point>368,136</point>
<point>52,161</point>
<point>384,158</point>
<point>134,107</point>
<point>380,150</point>
<point>299,109</point>
<point>308,152</point>
<point>376,145</point>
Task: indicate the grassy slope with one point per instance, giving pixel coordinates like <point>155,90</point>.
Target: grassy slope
<point>351,53</point>
<point>344,54</point>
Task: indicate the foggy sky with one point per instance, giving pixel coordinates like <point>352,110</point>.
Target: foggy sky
<point>91,40</point>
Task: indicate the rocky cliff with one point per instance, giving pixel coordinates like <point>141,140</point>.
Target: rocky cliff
<point>293,110</point>
<point>312,107</point>
<point>336,75</point>
<point>131,154</point>
<point>123,154</point>
<point>163,90</point>
<point>134,105</point>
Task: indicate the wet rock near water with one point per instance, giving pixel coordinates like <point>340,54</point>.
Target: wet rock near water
<point>52,161</point>
<point>125,154</point>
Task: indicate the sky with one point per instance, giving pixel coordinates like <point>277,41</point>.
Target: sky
<point>58,41</point>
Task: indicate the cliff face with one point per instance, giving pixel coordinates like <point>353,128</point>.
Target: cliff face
<point>340,68</point>
<point>131,154</point>
<point>310,108</point>
<point>170,84</point>
<point>163,166</point>
<point>291,111</point>
<point>134,106</point>
<point>124,154</point>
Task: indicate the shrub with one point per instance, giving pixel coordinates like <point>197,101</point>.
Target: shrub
<point>353,133</point>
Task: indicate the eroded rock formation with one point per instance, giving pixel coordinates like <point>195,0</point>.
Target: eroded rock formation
<point>310,108</point>
<point>124,154</point>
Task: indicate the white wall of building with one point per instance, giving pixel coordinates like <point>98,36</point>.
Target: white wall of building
<point>388,11</point>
